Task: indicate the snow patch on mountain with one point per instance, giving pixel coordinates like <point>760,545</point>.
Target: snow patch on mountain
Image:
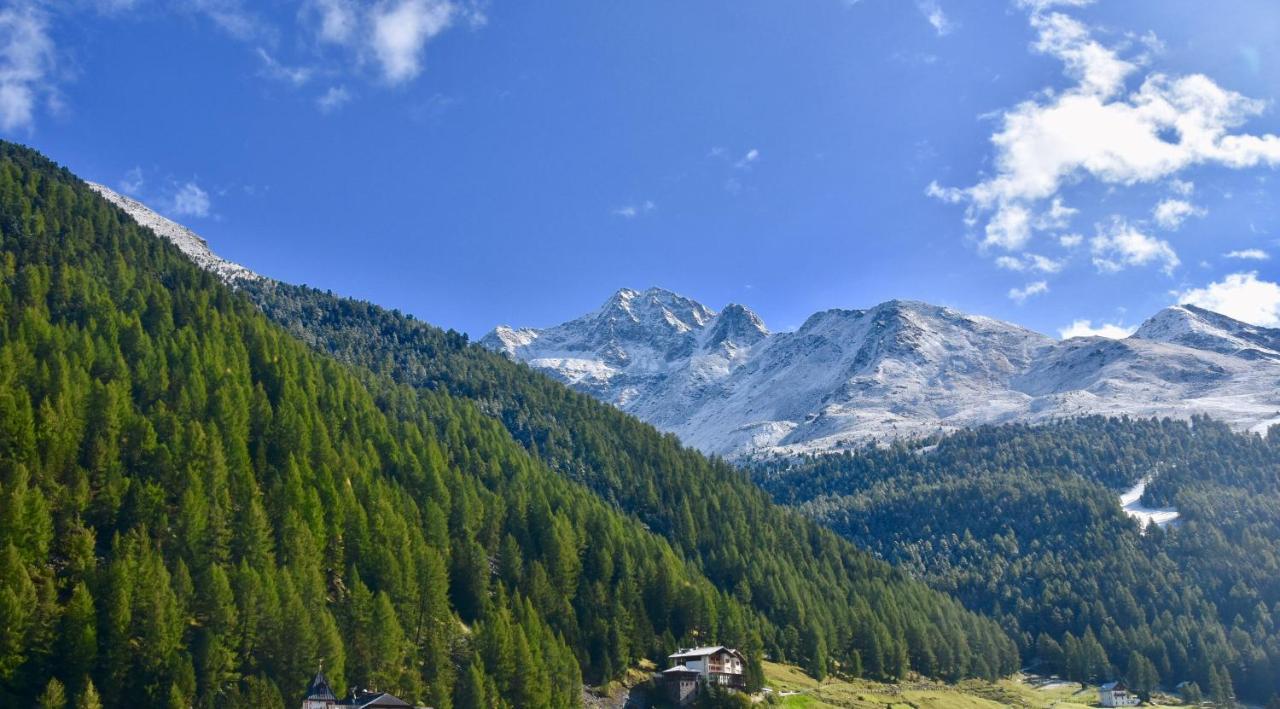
<point>190,243</point>
<point>1131,503</point>
<point>726,385</point>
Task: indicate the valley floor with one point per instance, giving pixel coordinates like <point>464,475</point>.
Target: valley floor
<point>796,689</point>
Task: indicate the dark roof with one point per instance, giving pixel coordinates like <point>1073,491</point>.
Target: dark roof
<point>1114,686</point>
<point>319,689</point>
<point>373,700</point>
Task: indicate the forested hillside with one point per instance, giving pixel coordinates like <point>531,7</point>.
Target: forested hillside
<point>825,599</point>
<point>197,509</point>
<point>1023,523</point>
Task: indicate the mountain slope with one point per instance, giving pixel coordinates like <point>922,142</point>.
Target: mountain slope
<point>1024,523</point>
<point>181,476</point>
<point>899,369</point>
<point>190,243</point>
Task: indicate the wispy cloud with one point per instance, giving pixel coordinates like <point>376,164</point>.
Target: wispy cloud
<point>1020,295</point>
<point>1248,255</point>
<point>26,64</point>
<point>234,18</point>
<point>132,182</point>
<point>333,99</point>
<point>273,69</point>
<point>631,211</point>
<point>1241,296</point>
<point>1030,262</point>
<point>748,160</point>
<point>936,18</point>
<point>190,200</point>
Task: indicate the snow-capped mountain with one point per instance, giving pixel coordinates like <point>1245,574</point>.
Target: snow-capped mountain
<point>191,244</point>
<point>726,385</point>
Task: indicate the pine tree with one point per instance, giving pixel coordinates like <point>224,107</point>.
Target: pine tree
<point>1221,692</point>
<point>1142,676</point>
<point>470,691</point>
<point>88,698</point>
<point>78,637</point>
<point>1050,654</point>
<point>54,696</point>
<point>388,644</point>
<point>17,603</point>
<point>816,654</point>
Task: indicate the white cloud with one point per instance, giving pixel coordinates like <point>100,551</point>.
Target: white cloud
<point>190,201</point>
<point>402,29</point>
<point>26,61</point>
<point>339,20</point>
<point>631,211</point>
<point>1020,295</point>
<point>1086,328</point>
<point>1170,213</point>
<point>936,18</point>
<point>1095,129</point>
<point>1010,228</point>
<point>1241,296</point>
<point>1070,241</point>
<point>333,99</point>
<point>1120,245</point>
<point>1058,216</point>
<point>1030,262</point>
<point>390,34</point>
<point>1182,187</point>
<point>1249,255</point>
<point>752,156</point>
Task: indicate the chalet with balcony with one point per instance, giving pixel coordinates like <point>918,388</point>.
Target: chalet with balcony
<point>693,668</point>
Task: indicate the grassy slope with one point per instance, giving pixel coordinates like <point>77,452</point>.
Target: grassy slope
<point>971,694</point>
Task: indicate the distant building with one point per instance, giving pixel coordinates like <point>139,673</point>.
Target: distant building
<point>321,696</point>
<point>694,667</point>
<point>1115,694</point>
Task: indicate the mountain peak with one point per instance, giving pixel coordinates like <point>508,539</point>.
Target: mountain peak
<point>736,325</point>
<point>656,307</point>
<point>1193,326</point>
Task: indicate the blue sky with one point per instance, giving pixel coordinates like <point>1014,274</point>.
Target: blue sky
<point>1054,163</point>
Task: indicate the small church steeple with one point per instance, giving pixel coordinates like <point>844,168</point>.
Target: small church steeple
<point>319,694</point>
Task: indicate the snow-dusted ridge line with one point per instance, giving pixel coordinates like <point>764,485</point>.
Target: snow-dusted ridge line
<point>726,385</point>
<point>189,242</point>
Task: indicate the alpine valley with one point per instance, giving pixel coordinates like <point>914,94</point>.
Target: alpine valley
<point>212,481</point>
